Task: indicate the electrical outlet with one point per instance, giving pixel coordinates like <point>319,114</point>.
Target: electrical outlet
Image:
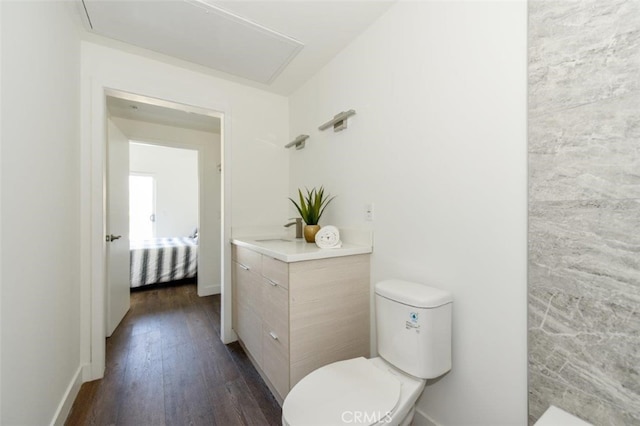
<point>368,212</point>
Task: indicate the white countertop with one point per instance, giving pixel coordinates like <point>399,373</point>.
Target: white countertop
<point>297,250</point>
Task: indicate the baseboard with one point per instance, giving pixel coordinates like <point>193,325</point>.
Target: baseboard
<point>69,397</point>
<point>208,290</point>
<point>420,418</point>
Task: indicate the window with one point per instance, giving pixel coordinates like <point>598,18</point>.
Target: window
<point>142,206</point>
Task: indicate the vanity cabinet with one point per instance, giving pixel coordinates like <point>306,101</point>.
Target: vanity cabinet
<point>247,291</point>
<point>293,318</point>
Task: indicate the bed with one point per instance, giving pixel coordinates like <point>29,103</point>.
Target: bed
<point>162,260</point>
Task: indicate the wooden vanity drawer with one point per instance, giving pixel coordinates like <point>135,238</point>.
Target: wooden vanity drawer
<point>275,271</point>
<point>248,288</point>
<point>247,258</point>
<point>249,329</point>
<point>275,312</point>
<point>275,362</point>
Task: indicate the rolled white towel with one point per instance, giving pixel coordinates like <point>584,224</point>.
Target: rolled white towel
<point>328,237</point>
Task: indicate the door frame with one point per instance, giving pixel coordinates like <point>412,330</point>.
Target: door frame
<point>93,156</point>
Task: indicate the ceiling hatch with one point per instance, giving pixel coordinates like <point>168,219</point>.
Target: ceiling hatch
<point>197,32</point>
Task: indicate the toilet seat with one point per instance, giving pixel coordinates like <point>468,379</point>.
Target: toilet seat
<point>353,392</point>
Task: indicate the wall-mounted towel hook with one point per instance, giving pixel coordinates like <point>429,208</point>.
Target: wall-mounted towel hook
<point>339,121</point>
<point>298,142</point>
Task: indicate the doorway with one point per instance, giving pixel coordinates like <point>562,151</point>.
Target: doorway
<point>164,219</point>
<point>168,148</point>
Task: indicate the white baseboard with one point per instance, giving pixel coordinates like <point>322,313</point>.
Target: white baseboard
<point>420,418</point>
<point>69,397</point>
<point>208,290</point>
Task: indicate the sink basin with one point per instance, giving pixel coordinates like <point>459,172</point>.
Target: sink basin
<point>270,240</point>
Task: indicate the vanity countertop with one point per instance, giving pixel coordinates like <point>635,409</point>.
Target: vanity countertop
<point>297,250</point>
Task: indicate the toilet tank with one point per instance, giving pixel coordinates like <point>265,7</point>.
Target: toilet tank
<point>413,324</point>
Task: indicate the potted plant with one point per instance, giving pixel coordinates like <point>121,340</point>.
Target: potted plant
<point>311,207</point>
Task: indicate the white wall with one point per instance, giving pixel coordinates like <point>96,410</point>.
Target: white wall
<point>40,211</point>
<point>439,146</point>
<point>255,129</point>
<point>208,146</point>
<point>175,171</point>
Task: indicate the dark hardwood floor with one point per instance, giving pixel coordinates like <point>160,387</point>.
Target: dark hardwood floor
<point>166,365</point>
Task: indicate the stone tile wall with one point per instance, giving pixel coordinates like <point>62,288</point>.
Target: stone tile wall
<point>584,209</point>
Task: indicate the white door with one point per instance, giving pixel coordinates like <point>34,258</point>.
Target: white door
<point>117,227</point>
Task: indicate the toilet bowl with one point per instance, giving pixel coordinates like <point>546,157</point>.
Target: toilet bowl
<point>358,391</point>
<point>414,343</point>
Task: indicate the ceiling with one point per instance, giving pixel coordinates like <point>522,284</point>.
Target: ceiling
<point>276,45</point>
<point>160,112</point>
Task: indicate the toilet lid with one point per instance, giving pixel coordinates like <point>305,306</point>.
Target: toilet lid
<point>353,392</point>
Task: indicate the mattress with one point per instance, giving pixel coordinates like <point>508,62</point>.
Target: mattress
<point>162,260</point>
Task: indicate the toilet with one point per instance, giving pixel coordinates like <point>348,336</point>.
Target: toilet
<point>414,343</point>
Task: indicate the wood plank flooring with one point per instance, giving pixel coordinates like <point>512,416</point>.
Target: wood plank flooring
<point>166,365</point>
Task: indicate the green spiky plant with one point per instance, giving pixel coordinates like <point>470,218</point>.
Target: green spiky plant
<point>312,205</point>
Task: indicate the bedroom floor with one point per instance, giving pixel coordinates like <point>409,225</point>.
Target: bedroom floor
<point>166,365</point>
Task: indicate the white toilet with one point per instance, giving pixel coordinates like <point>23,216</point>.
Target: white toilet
<point>414,343</point>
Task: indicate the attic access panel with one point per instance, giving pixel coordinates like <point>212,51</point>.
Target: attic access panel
<point>197,32</point>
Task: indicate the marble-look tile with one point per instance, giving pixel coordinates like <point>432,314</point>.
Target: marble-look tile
<point>588,152</point>
<point>586,242</point>
<point>582,52</point>
<point>584,209</point>
<point>584,309</point>
<point>565,379</point>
